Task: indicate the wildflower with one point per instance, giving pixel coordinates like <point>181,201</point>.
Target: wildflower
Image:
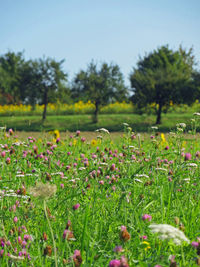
<point>48,250</point>
<point>124,262</point>
<point>11,131</point>
<point>146,217</point>
<point>75,207</point>
<point>172,261</point>
<point>8,160</point>
<point>168,232</point>
<point>56,134</point>
<point>78,133</point>
<point>15,219</point>
<point>118,249</point>
<point>94,142</point>
<point>144,237</point>
<point>119,263</point>
<point>1,252</point>
<point>102,130</point>
<point>114,263</point>
<point>112,168</point>
<point>181,125</point>
<point>188,156</point>
<point>43,190</point>
<point>3,154</point>
<point>146,244</point>
<point>196,114</point>
<point>195,244</point>
<point>77,258</point>
<point>68,234</point>
<point>192,165</point>
<point>142,175</point>
<point>124,234</point>
<point>197,154</point>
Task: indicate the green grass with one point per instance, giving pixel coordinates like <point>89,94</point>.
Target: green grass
<point>122,180</point>
<point>139,123</point>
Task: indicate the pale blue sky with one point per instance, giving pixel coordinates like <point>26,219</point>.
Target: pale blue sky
<point>115,31</point>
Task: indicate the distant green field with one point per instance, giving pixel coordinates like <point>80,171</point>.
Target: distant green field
<point>112,122</point>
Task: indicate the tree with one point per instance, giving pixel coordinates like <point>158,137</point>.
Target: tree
<point>10,69</point>
<point>163,76</point>
<point>103,85</point>
<point>42,81</point>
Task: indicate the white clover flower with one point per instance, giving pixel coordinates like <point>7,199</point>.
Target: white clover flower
<point>181,125</point>
<point>20,175</point>
<point>138,180</point>
<point>102,130</point>
<point>168,232</point>
<point>81,168</point>
<point>192,165</point>
<point>179,129</point>
<point>141,175</point>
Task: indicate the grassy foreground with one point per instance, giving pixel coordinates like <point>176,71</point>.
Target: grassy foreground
<point>69,201</point>
<point>139,123</point>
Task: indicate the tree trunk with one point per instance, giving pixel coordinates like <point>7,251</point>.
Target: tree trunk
<point>96,112</point>
<point>159,111</point>
<point>44,115</point>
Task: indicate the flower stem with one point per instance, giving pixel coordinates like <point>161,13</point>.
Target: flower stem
<point>54,244</point>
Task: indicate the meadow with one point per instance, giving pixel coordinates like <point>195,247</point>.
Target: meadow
<point>67,200</point>
<point>79,116</point>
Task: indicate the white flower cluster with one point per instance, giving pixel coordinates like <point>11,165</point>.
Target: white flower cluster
<point>181,125</point>
<point>103,130</point>
<point>168,232</point>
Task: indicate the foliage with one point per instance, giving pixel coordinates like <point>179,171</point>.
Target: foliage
<point>162,76</point>
<point>45,79</point>
<point>101,86</point>
<point>11,65</point>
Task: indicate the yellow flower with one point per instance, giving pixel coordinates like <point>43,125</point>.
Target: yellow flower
<point>56,134</point>
<point>74,142</point>
<point>184,143</point>
<point>146,245</point>
<point>163,140</point>
<point>163,137</point>
<point>94,142</point>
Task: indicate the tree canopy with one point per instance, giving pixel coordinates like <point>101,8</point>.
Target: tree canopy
<point>162,76</point>
<point>101,85</point>
<point>10,75</point>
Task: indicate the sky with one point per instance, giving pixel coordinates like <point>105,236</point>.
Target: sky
<point>112,31</point>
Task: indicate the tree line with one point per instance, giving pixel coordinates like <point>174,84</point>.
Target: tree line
<point>159,77</point>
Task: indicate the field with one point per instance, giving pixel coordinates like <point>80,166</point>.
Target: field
<point>71,200</point>
<point>79,116</point>
<point>112,122</point>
